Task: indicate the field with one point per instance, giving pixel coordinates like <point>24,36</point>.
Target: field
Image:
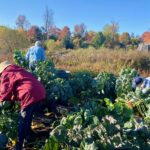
<point>96,108</point>
<point>102,60</point>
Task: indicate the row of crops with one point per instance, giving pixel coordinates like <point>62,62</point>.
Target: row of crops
<point>101,117</point>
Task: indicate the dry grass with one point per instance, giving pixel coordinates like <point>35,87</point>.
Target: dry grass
<point>5,56</point>
<point>103,60</point>
<point>97,60</point>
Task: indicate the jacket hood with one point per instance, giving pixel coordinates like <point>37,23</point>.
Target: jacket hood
<point>4,65</point>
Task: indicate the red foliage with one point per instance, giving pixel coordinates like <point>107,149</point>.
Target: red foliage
<point>89,36</point>
<point>64,33</point>
<point>79,30</point>
<point>33,33</point>
<point>146,37</point>
<point>54,31</point>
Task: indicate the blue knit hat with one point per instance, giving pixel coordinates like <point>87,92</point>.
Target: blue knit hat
<point>136,81</point>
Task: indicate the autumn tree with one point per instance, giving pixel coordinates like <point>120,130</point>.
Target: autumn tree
<point>89,37</point>
<point>34,34</point>
<point>79,30</point>
<point>54,33</point>
<point>65,38</point>
<point>125,38</point>
<point>79,35</point>
<point>87,40</point>
<point>111,33</point>
<point>146,37</point>
<point>48,20</point>
<point>22,22</point>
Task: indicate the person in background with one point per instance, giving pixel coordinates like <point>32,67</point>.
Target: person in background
<point>143,83</point>
<point>64,74</point>
<point>34,54</point>
<point>16,84</point>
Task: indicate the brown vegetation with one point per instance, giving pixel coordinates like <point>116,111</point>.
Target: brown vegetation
<point>103,60</point>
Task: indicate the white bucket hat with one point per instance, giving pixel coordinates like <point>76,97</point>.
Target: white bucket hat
<point>4,65</point>
<point>38,43</point>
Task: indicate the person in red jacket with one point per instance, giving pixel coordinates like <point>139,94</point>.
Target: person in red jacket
<point>18,84</point>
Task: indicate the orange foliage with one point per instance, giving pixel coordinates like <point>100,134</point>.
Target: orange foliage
<point>146,37</point>
<point>124,38</point>
<point>33,33</point>
<point>64,33</point>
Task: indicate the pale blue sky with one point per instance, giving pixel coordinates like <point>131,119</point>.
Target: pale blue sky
<point>132,15</point>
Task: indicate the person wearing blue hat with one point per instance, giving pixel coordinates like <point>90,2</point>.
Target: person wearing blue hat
<point>143,83</point>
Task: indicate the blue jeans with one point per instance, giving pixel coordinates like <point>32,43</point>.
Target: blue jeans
<point>24,126</point>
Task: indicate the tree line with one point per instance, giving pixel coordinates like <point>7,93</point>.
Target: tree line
<point>55,38</point>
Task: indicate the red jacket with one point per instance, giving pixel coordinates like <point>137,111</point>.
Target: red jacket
<point>16,81</point>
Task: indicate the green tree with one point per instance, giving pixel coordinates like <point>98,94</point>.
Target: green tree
<point>77,42</point>
<point>51,46</point>
<point>98,40</point>
<point>110,31</point>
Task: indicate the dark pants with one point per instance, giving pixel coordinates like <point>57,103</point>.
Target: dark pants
<point>24,126</point>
